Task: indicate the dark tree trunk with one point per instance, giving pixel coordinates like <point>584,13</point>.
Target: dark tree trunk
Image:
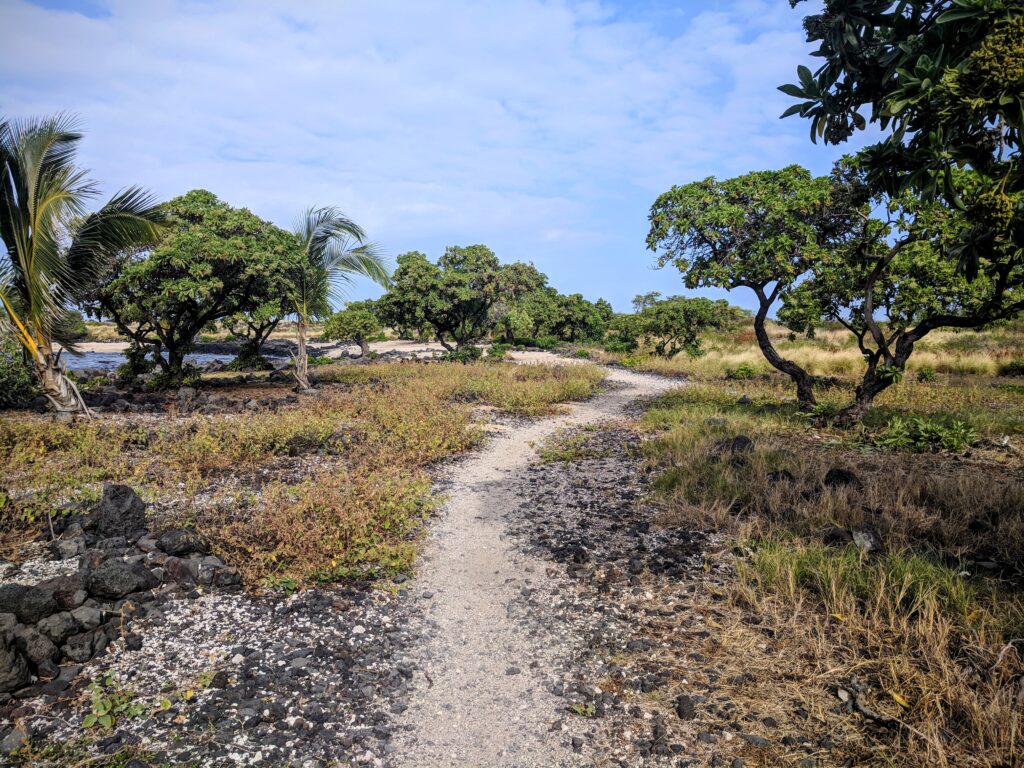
<point>803,380</point>
<point>870,387</point>
<point>364,347</point>
<point>175,363</point>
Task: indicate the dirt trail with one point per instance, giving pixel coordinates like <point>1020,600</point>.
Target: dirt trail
<point>481,697</point>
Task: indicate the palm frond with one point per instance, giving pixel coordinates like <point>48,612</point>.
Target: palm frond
<point>43,197</point>
<point>336,251</point>
<point>131,219</point>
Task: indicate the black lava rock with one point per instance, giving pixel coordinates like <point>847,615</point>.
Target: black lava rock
<point>741,444</point>
<point>686,707</point>
<point>114,579</point>
<point>119,513</point>
<point>13,670</point>
<point>837,477</point>
<point>29,604</point>
<point>182,541</point>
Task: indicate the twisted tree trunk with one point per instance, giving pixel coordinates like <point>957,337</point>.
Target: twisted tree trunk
<point>803,380</point>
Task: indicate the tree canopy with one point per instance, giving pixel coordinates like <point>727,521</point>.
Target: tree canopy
<point>945,81</point>
<point>357,322</point>
<point>761,231</point>
<point>214,261</point>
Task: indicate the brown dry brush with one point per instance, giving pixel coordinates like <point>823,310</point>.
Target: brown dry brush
<point>925,657</point>
<point>333,487</point>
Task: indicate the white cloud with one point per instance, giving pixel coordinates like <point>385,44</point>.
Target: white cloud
<point>544,129</point>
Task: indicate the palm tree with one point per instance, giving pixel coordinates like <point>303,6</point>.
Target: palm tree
<point>336,250</point>
<point>54,249</point>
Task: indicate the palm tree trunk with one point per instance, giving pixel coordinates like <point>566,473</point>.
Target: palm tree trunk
<point>58,388</point>
<point>302,359</point>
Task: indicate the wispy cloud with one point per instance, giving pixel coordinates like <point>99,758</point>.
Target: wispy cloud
<point>544,129</point>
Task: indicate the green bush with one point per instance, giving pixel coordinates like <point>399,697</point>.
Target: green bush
<point>926,374</point>
<point>618,345</point>
<point>137,363</point>
<point>919,434</point>
<point>248,359</point>
<point>17,385</point>
<point>498,351</point>
<point>548,342</point>
<point>582,353</point>
<point>742,372</point>
<point>1012,368</point>
<point>465,355</point>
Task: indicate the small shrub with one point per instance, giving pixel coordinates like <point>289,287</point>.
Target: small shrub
<point>465,355</point>
<point>17,386</point>
<point>190,376</point>
<point>920,434</point>
<point>926,374</point>
<point>321,360</point>
<point>498,351</point>
<point>1012,368</point>
<point>742,372</point>
<point>249,359</point>
<point>137,362</point>
<point>619,346</point>
<point>110,703</point>
<point>548,342</point>
<point>582,353</point>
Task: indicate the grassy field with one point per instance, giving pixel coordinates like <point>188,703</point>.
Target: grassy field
<point>886,560</point>
<point>350,464</point>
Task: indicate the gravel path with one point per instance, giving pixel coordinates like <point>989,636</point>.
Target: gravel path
<point>482,693</point>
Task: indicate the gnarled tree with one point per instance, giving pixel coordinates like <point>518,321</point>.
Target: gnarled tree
<point>213,261</point>
<point>762,231</point>
<point>889,281</point>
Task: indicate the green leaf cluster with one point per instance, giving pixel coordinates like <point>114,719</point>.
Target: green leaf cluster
<point>213,262</point>
<point>944,79</point>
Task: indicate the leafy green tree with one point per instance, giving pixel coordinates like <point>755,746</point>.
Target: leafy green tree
<point>214,261</point>
<point>762,231</point>
<point>676,324</point>
<point>517,282</point>
<point>469,286</point>
<point>944,81</point>
<point>357,322</point>
<point>605,310</point>
<point>543,308</point>
<point>889,282</point>
<point>577,319</point>
<point>256,325</point>
<point>454,297</point>
<point>54,250</point>
<point>643,300</point>
<point>624,333</point>
<point>404,306</point>
<point>334,250</point>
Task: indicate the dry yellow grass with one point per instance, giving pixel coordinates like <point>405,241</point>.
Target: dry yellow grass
<point>921,640</point>
<point>350,507</point>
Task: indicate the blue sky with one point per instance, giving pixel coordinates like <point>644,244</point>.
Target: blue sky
<point>542,129</point>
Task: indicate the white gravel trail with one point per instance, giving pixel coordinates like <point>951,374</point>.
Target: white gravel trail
<point>483,697</point>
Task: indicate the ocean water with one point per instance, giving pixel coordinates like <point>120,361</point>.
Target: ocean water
<point>108,361</point>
